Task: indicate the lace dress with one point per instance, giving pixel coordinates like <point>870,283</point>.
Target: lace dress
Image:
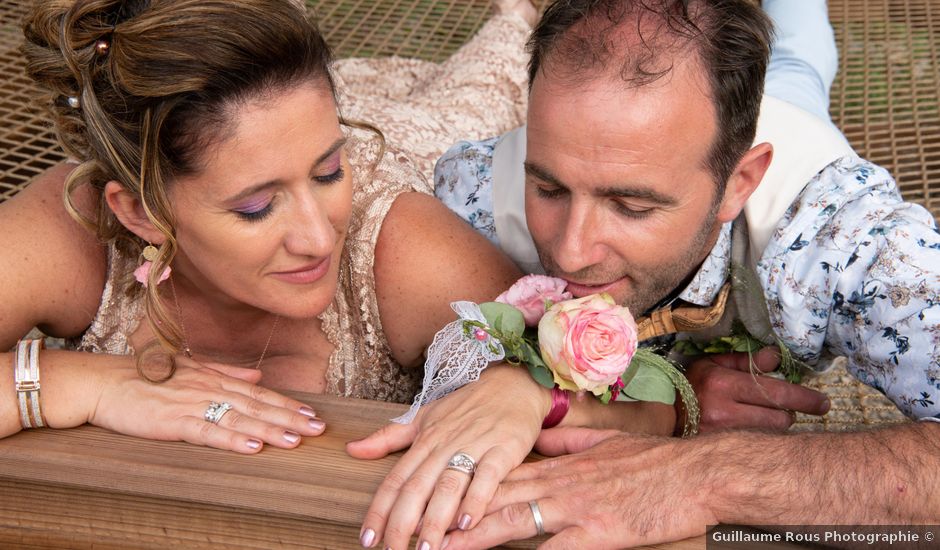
<point>421,108</point>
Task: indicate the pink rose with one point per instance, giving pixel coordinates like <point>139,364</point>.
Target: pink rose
<point>530,293</point>
<point>587,343</point>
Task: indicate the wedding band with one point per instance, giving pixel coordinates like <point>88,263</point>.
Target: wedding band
<point>537,516</point>
<point>216,411</point>
<point>462,462</point>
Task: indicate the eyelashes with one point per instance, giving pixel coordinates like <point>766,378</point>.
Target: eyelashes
<point>259,214</point>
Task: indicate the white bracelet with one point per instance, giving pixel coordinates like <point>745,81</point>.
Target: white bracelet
<point>26,377</point>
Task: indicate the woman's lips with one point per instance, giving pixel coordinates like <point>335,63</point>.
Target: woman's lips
<point>305,275</point>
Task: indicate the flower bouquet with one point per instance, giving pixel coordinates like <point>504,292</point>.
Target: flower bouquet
<point>585,345</point>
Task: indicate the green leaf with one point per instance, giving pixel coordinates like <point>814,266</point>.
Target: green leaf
<point>541,375</point>
<point>651,384</point>
<point>503,317</point>
<point>688,347</point>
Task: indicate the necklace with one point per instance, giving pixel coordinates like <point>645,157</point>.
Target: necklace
<point>188,351</point>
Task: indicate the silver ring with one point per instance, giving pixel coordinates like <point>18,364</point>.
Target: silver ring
<point>462,462</point>
<point>537,516</point>
<point>216,411</point>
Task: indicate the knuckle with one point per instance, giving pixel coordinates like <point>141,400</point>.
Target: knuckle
<point>394,481</point>
<point>449,484</point>
<point>516,514</point>
<point>205,432</point>
<point>254,408</point>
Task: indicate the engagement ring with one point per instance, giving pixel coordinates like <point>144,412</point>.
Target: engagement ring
<point>462,462</point>
<point>216,411</point>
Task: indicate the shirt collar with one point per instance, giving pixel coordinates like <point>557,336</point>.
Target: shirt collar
<point>711,276</point>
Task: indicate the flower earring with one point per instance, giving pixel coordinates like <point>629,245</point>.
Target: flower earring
<point>142,273</point>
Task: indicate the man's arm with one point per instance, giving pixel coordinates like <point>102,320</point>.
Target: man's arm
<point>626,490</point>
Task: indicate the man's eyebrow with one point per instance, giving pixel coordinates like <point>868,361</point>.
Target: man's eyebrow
<point>264,185</point>
<point>631,192</point>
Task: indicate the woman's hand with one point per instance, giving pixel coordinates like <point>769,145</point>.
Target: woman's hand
<point>174,410</point>
<point>495,420</point>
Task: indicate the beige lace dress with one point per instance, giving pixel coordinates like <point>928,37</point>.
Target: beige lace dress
<point>422,108</point>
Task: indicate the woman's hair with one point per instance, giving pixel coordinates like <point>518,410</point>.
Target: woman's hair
<point>139,89</point>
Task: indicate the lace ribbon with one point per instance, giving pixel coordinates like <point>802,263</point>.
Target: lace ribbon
<point>456,357</point>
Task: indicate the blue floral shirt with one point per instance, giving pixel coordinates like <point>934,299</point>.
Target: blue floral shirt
<point>850,270</point>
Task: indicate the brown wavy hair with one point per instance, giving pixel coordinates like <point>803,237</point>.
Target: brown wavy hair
<point>577,40</point>
<point>157,82</point>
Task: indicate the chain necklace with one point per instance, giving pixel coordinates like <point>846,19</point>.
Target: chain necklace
<point>188,351</point>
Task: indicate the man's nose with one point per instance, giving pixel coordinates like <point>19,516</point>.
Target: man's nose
<point>579,246</point>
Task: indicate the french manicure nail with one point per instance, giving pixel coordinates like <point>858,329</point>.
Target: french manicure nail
<point>307,411</point>
<point>367,538</point>
<point>464,522</point>
<point>317,425</point>
<point>425,545</point>
<point>291,437</point>
<point>253,444</point>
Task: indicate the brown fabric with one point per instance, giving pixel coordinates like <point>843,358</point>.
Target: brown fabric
<point>684,318</point>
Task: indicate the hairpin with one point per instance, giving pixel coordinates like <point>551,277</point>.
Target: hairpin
<point>73,102</point>
<point>102,46</point>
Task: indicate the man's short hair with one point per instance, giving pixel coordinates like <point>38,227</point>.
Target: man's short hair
<point>639,39</point>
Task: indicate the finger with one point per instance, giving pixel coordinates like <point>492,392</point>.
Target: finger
<point>561,441</point>
<point>199,432</point>
<point>265,418</point>
<point>738,416</point>
<point>765,360</point>
<point>388,492</point>
<point>414,495</point>
<point>258,429</point>
<point>387,439</point>
<point>269,397</point>
<point>572,537</point>
<point>780,394</point>
<point>492,469</point>
<point>512,522</point>
<point>442,507</point>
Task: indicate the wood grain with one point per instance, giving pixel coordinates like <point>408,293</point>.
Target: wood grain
<point>91,488</point>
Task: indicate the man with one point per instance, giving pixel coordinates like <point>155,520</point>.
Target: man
<point>638,165</point>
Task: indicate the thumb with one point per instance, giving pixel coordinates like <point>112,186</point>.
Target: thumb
<point>560,441</point>
<point>388,439</point>
<point>252,376</point>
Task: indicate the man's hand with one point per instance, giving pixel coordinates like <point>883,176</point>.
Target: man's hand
<point>624,490</point>
<point>731,396</point>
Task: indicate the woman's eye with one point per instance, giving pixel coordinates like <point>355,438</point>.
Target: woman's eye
<point>550,193</point>
<point>330,178</point>
<point>256,215</point>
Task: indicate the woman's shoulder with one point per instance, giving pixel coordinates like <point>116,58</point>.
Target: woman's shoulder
<point>53,269</point>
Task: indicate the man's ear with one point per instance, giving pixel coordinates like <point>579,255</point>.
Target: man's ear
<point>744,180</point>
<point>130,212</point>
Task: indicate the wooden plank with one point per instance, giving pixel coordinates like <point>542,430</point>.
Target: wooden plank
<point>88,487</point>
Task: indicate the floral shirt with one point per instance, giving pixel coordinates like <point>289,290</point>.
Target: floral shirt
<point>850,270</point>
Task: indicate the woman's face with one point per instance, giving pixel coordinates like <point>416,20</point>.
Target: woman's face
<point>263,224</point>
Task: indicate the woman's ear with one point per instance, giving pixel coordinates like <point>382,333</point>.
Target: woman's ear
<point>130,212</point>
<point>744,181</point>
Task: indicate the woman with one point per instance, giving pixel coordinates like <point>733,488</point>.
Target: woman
<point>268,235</point>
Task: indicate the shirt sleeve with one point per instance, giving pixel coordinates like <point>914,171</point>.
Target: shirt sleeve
<point>463,181</point>
<point>854,270</point>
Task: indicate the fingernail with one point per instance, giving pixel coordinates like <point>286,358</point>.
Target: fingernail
<point>464,522</point>
<point>425,545</point>
<point>291,437</point>
<point>253,444</point>
<point>445,542</point>
<point>316,425</point>
<point>307,411</point>
<point>826,405</point>
<point>367,538</point>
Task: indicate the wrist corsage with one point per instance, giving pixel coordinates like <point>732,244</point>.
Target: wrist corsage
<point>586,345</point>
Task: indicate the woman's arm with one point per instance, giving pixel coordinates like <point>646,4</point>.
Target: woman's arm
<point>52,276</point>
<point>427,258</point>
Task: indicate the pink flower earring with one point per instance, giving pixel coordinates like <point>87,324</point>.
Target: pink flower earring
<point>142,273</point>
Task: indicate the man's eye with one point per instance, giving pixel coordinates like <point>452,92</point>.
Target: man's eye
<point>633,211</point>
<point>550,193</point>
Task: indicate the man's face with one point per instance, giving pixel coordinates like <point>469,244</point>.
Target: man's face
<point>618,195</point>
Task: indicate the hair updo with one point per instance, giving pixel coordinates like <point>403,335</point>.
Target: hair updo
<point>137,89</point>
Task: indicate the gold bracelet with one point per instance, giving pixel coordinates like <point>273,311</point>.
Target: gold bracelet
<point>26,377</point>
